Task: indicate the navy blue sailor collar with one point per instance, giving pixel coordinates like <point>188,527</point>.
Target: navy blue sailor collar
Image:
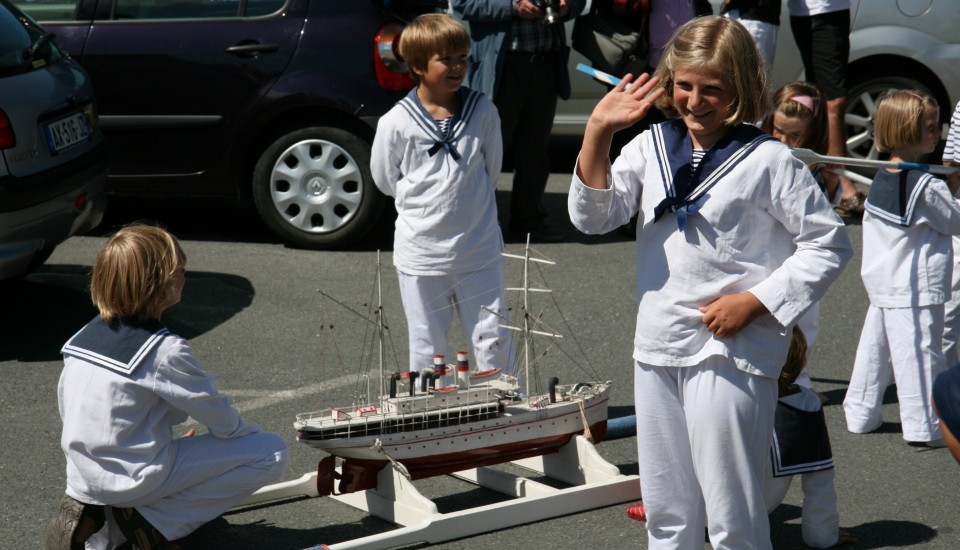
<point>684,188</point>
<point>894,195</point>
<point>120,347</point>
<point>467,104</point>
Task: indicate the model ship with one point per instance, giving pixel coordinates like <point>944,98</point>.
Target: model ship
<point>436,422</point>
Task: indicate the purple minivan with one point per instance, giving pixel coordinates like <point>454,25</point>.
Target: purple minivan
<point>270,100</point>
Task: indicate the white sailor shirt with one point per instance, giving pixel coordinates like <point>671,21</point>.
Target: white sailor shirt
<point>444,185</point>
<point>754,221</point>
<point>119,399</point>
<point>908,221</point>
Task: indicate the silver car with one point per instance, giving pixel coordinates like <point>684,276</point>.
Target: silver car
<point>912,44</point>
<point>53,158</point>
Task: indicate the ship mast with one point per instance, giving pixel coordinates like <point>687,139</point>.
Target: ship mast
<point>379,328</point>
<point>526,317</point>
<point>528,330</point>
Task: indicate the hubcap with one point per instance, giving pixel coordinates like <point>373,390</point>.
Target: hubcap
<point>316,186</point>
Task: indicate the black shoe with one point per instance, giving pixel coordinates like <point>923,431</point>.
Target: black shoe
<point>935,444</point>
<point>74,523</point>
<point>140,533</point>
<point>539,234</point>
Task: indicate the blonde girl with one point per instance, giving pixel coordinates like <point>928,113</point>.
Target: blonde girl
<point>734,243</point>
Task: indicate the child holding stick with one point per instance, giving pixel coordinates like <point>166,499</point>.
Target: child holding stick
<point>907,269</point>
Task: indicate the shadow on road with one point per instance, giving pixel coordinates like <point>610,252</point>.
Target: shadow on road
<point>875,534</point>
<point>48,306</point>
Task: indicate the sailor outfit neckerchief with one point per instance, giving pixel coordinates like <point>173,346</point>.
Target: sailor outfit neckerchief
<point>467,103</point>
<point>801,442</point>
<point>120,348</point>
<point>893,195</point>
<point>684,188</point>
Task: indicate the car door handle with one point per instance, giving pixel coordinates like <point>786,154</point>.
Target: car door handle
<point>250,50</point>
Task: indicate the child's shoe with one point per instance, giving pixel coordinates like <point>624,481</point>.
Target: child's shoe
<point>935,444</point>
<point>74,523</point>
<point>139,532</point>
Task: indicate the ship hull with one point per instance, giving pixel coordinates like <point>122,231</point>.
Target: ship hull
<point>520,432</point>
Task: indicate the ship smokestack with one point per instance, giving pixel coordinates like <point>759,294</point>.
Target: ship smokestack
<point>440,367</point>
<point>463,371</point>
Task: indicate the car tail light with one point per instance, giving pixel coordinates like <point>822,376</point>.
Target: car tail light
<point>390,69</point>
<point>7,139</point>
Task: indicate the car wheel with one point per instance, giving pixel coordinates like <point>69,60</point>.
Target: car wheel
<point>862,110</point>
<point>313,188</point>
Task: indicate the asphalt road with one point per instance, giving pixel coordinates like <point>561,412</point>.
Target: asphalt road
<point>253,314</point>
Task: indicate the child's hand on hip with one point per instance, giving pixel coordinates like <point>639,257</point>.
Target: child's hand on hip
<point>728,315</point>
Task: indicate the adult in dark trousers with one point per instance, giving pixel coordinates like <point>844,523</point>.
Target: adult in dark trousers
<point>821,29</point>
<point>761,18</point>
<point>519,58</point>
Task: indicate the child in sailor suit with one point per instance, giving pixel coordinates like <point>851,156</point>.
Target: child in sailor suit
<point>801,447</point>
<point>126,383</point>
<point>907,269</point>
<point>438,153</point>
<point>734,243</point>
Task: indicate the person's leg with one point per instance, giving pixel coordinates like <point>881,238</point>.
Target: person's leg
<point>774,488</point>
<point>209,476</point>
<point>820,522</point>
<point>482,309</point>
<point>730,416</point>
<point>916,339</point>
<point>829,57</point>
<point>765,35</point>
<point>951,312</point>
<point>801,27</point>
<point>426,303</point>
<point>871,375</point>
<point>671,493</point>
<point>536,82</point>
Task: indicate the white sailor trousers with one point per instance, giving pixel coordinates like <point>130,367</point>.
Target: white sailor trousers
<point>820,521</point>
<point>429,301</point>
<point>209,476</point>
<point>703,436</point>
<point>907,345</point>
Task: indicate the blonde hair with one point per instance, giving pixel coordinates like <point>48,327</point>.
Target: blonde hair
<point>789,102</point>
<point>899,119</point>
<point>432,34</point>
<point>723,45</point>
<point>796,360</point>
<point>133,273</point>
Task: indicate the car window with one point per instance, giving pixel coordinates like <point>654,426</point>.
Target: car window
<point>24,45</point>
<point>193,9</point>
<point>60,10</point>
<point>48,10</point>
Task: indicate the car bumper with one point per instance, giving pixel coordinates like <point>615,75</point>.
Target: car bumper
<point>78,207</point>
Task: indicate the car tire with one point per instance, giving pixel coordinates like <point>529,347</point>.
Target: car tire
<point>313,188</point>
<point>861,110</point>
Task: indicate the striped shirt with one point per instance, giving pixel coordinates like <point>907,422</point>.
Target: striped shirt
<point>951,151</point>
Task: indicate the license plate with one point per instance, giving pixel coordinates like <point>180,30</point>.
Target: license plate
<point>66,132</point>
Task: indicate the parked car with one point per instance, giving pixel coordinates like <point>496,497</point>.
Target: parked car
<point>53,157</point>
<point>270,100</point>
<point>893,44</point>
